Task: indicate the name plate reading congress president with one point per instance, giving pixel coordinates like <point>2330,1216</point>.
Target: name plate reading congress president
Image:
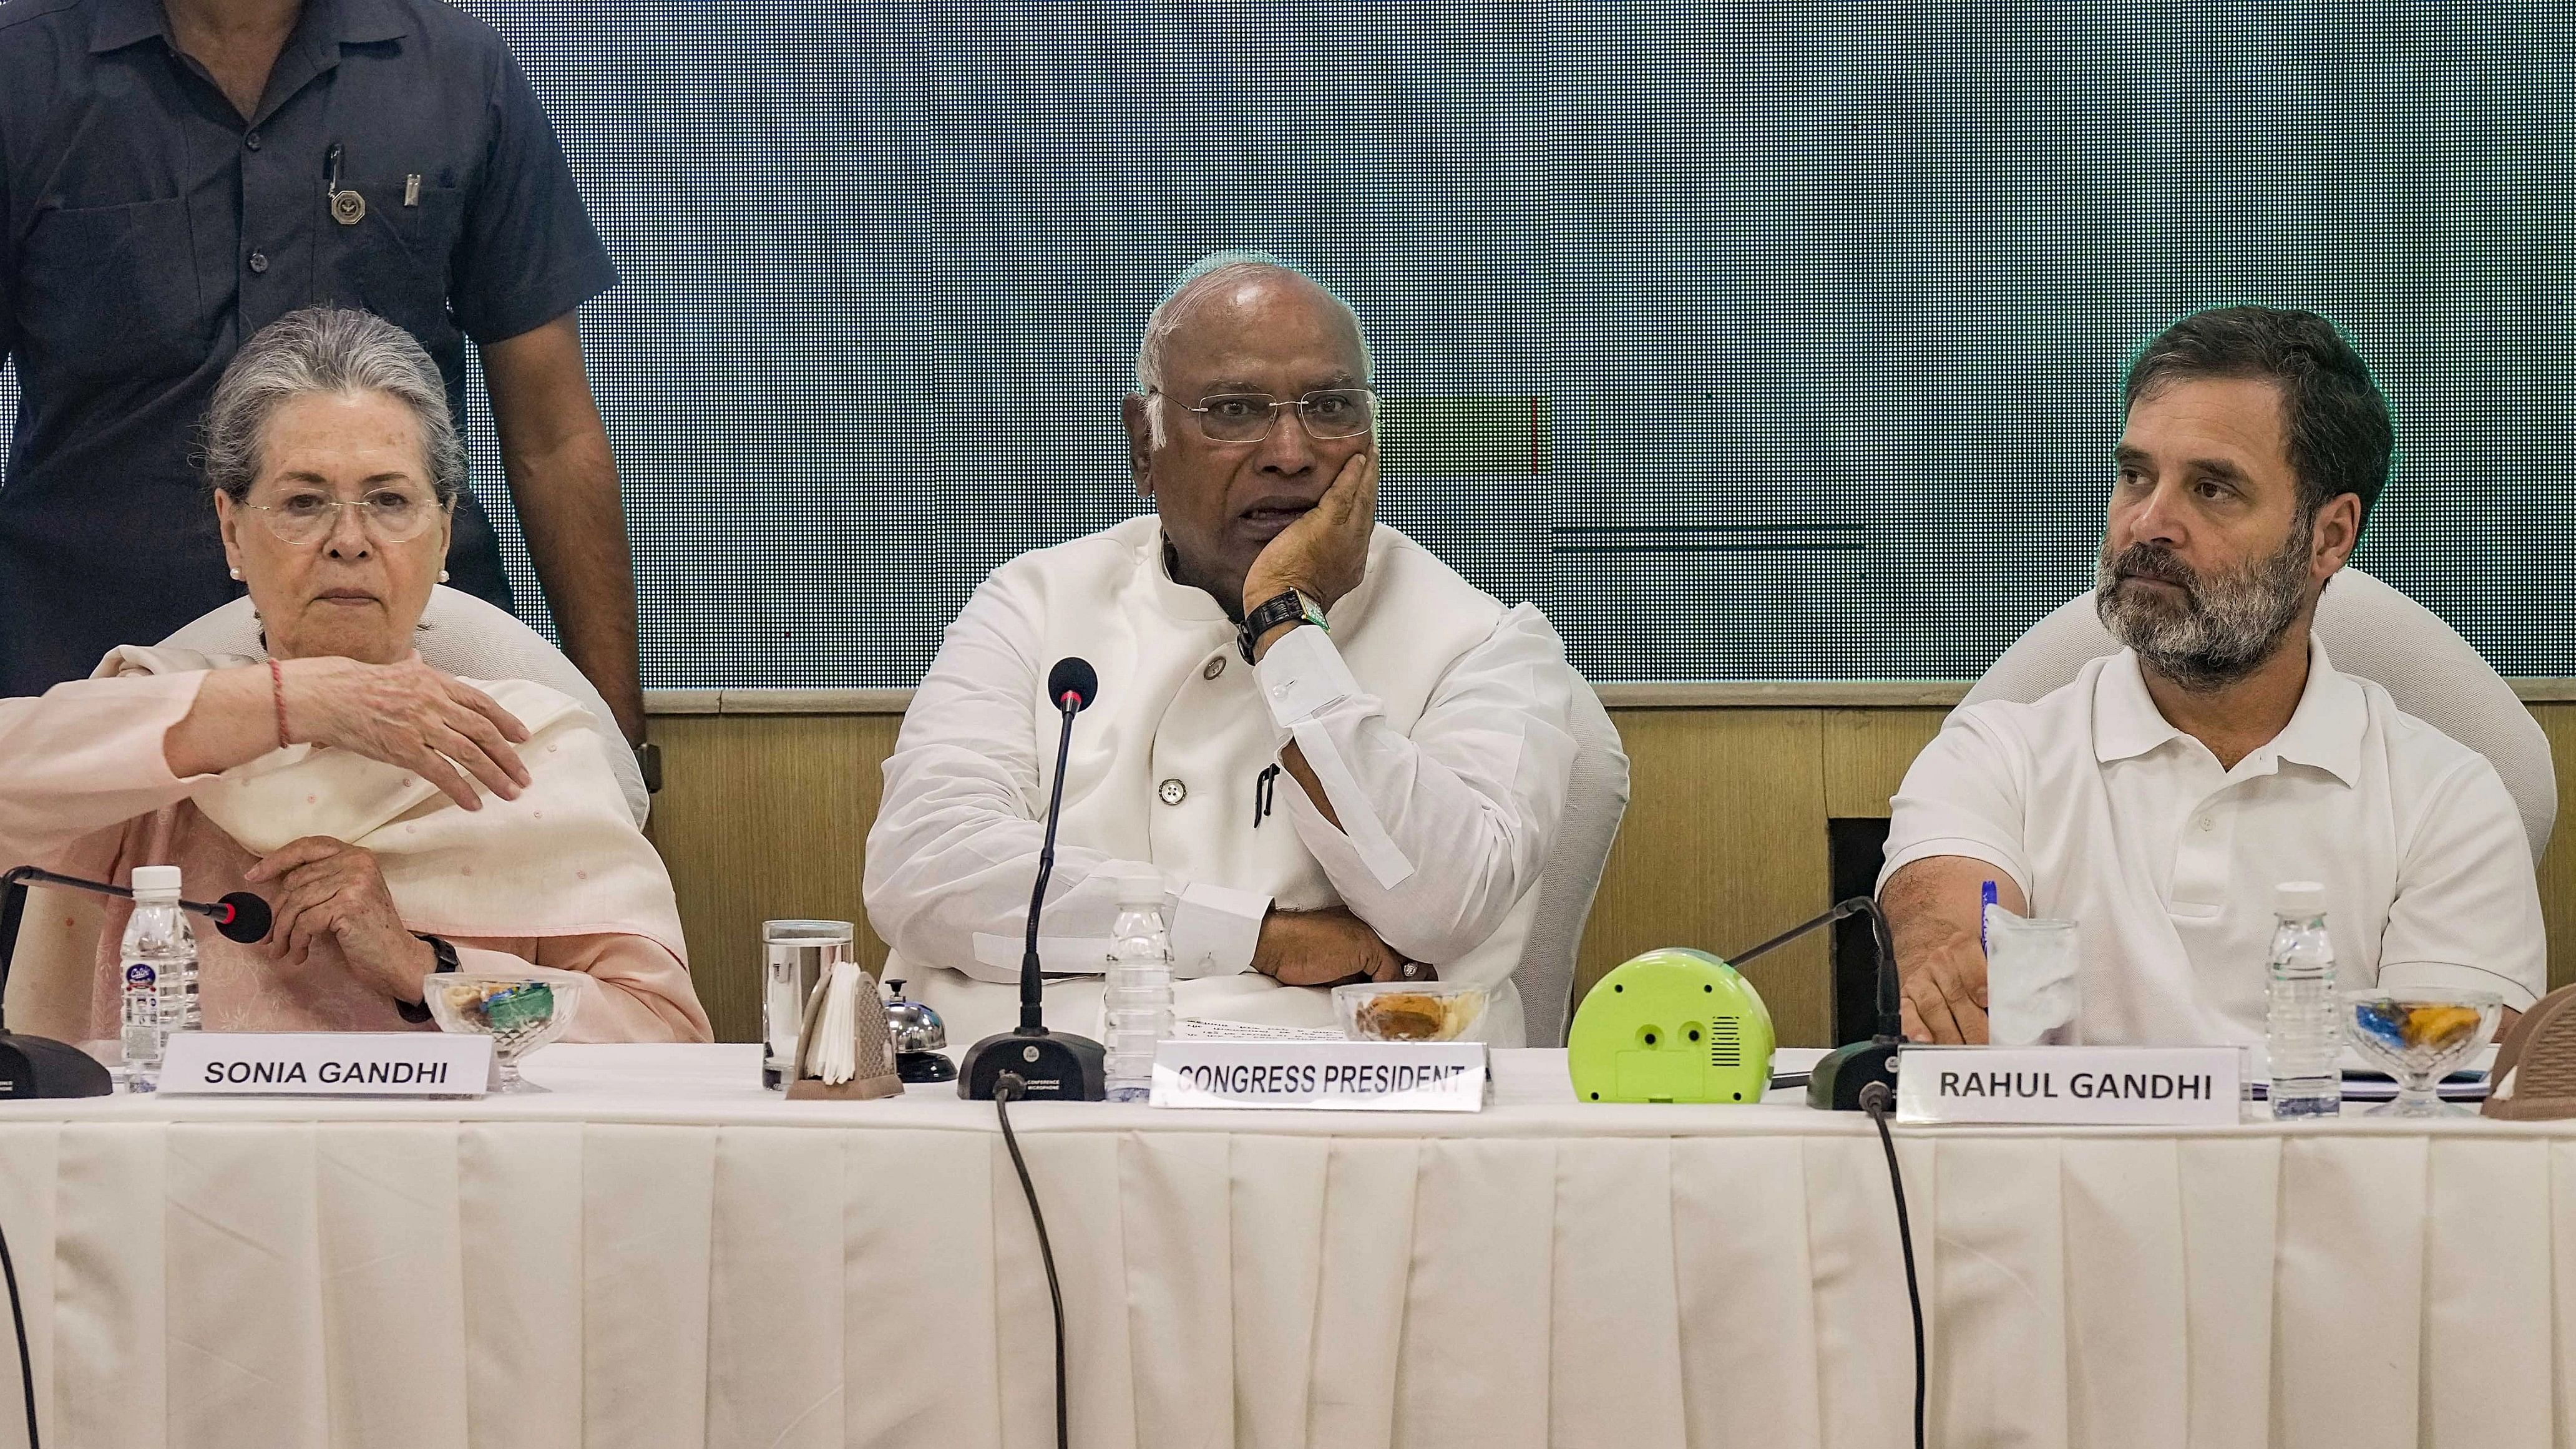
<point>325,1064</point>
<point>1326,1076</point>
<point>2104,1086</point>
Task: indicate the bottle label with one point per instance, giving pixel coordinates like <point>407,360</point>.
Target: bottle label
<point>139,976</point>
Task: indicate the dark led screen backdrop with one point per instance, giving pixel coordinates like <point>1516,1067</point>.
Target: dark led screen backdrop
<point>1753,340</point>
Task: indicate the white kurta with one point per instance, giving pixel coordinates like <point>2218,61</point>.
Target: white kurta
<point>1438,720</point>
<point>2105,814</point>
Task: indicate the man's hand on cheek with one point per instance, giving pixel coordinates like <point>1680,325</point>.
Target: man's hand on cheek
<point>1323,555</point>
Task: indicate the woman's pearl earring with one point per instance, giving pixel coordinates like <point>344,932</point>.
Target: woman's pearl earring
<point>442,576</point>
<point>236,575</point>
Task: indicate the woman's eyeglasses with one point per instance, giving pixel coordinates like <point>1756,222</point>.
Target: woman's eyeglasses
<point>389,515</point>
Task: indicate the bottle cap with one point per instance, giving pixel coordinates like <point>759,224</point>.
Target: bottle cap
<point>2300,898</point>
<point>156,880</point>
<point>1139,884</point>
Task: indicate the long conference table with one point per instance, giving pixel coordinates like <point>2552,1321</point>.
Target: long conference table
<point>659,1253</point>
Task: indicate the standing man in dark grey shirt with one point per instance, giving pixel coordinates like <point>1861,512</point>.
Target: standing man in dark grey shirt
<point>176,174</point>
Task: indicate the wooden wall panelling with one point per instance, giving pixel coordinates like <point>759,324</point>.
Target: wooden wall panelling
<point>764,817</point>
<point>1866,755</point>
<point>1723,846</point>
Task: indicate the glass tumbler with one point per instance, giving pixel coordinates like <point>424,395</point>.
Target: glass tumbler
<point>2031,990</point>
<point>796,956</point>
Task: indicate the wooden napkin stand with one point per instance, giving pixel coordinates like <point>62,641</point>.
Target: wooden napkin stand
<point>2540,1055</point>
<point>874,1050</point>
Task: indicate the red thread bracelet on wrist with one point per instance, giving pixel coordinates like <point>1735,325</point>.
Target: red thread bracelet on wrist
<point>277,692</point>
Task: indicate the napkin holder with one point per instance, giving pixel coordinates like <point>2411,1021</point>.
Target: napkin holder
<point>873,1050</point>
<point>2536,1066</point>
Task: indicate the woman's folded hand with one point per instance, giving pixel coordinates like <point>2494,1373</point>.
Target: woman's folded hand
<point>325,887</point>
<point>408,715</point>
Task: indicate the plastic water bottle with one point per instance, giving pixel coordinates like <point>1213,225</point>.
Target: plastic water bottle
<point>1138,1000</point>
<point>2303,1027</point>
<point>160,958</point>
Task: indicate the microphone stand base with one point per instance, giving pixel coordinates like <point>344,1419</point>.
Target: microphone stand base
<point>1834,1084</point>
<point>1057,1067</point>
<point>37,1066</point>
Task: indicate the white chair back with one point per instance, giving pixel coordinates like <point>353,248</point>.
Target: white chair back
<point>462,635</point>
<point>2369,629</point>
<point>1596,797</point>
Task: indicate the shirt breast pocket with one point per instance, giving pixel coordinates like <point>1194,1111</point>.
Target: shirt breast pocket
<point>398,261</point>
<point>111,291</point>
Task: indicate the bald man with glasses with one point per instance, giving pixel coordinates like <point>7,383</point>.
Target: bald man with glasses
<point>1347,763</point>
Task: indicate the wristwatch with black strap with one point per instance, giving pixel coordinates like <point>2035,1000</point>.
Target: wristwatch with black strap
<point>1291,607</point>
<point>418,1011</point>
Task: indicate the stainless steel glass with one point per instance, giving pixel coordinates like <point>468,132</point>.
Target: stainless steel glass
<point>1247,417</point>
<point>796,957</point>
<point>389,515</point>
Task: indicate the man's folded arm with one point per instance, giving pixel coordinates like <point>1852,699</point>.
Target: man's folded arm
<point>954,850</point>
<point>1442,830</point>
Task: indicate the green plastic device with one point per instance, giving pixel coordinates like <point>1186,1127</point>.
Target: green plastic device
<point>1673,1025</point>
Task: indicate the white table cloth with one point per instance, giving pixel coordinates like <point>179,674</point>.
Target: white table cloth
<point>661,1254</point>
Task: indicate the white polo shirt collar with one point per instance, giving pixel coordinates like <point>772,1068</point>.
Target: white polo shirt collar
<point>2324,732</point>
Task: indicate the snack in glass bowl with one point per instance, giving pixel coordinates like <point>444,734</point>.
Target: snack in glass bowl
<point>1410,1011</point>
<point>2419,1035</point>
<point>519,1011</point>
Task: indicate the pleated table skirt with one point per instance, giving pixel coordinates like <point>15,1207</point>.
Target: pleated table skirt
<point>661,1255</point>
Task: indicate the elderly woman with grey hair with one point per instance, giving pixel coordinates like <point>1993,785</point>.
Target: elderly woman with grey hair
<point>401,822</point>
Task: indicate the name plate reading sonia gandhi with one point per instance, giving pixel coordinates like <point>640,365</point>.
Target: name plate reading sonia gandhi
<point>326,1064</point>
<point>1324,1076</point>
<point>2103,1086</point>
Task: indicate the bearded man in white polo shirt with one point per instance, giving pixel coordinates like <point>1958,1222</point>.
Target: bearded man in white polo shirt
<point>2158,798</point>
<point>1347,762</point>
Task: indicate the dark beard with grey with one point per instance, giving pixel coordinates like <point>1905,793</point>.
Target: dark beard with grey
<point>2222,628</point>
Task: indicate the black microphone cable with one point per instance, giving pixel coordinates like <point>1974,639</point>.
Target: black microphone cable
<point>1874,1101</point>
<point>18,1320</point>
<point>1010,1085</point>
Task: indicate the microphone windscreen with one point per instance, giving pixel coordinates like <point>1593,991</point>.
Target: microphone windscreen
<point>1072,676</point>
<point>250,918</point>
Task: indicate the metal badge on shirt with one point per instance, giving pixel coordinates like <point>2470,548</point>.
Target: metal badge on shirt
<point>347,207</point>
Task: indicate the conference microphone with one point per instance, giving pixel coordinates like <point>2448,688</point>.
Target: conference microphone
<point>36,1066</point>
<point>1837,1080</point>
<point>240,916</point>
<point>1045,1064</point>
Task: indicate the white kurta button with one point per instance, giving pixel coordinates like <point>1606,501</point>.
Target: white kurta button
<point>2207,824</point>
<point>1173,792</point>
<point>1214,668</point>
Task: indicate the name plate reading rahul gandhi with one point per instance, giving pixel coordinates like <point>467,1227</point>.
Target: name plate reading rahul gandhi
<point>1322,1076</point>
<point>325,1064</point>
<point>2102,1086</point>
